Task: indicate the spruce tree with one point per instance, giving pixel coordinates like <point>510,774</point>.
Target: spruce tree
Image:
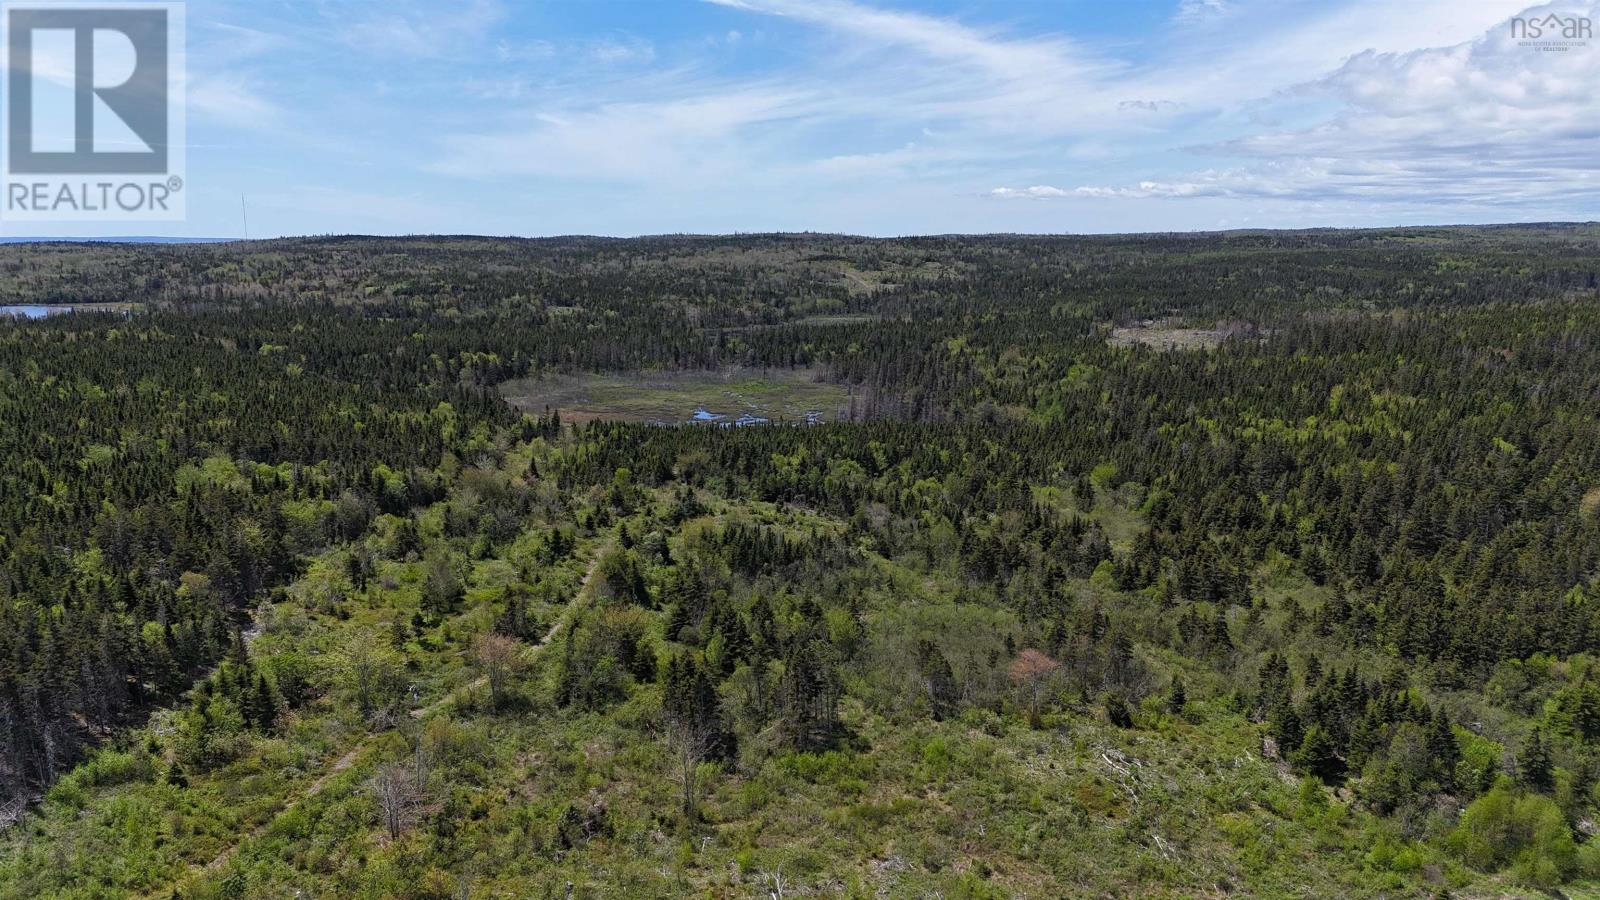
<point>1533,763</point>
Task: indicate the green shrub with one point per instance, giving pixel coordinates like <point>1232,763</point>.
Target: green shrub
<point>104,769</point>
<point>936,759</point>
<point>1522,831</point>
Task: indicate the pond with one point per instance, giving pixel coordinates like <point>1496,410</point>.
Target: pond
<point>745,419</point>
<point>32,312</point>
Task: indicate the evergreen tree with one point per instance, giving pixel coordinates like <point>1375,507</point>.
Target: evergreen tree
<point>1533,763</point>
<point>1443,749</point>
<point>1316,755</point>
<point>937,680</point>
<point>1177,696</point>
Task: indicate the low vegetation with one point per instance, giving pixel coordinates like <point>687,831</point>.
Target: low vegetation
<point>674,398</point>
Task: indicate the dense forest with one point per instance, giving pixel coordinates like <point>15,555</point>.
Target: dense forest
<point>1193,564</point>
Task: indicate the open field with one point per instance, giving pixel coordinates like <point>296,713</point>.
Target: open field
<point>1167,338</point>
<point>1166,334</point>
<point>734,396</point>
<point>1161,337</point>
<point>840,319</point>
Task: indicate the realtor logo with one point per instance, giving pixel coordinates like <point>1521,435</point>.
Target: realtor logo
<point>1552,33</point>
<point>93,111</point>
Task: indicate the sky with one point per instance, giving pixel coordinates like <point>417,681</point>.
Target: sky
<point>880,117</point>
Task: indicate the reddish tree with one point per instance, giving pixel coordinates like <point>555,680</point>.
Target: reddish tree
<point>1031,672</point>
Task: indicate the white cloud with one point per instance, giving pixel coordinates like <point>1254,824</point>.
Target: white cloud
<point>626,141</point>
<point>434,30</point>
<point>1197,10</point>
<point>373,211</point>
<point>888,97</point>
<point>512,88</point>
<point>630,50</point>
<point>941,38</point>
<point>912,66</point>
<point>523,51</point>
<point>1037,192</point>
<point>967,94</point>
<point>237,42</point>
<point>1487,122</point>
<point>232,100</point>
<point>1262,46</point>
<point>1149,105</point>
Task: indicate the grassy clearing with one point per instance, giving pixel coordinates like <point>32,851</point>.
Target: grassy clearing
<point>841,319</point>
<point>675,397</point>
<point>1161,337</point>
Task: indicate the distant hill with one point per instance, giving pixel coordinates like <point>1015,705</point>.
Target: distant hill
<point>131,239</point>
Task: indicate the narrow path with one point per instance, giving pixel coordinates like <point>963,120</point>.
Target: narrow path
<point>579,600</point>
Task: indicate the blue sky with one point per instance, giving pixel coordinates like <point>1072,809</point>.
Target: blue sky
<point>878,117</point>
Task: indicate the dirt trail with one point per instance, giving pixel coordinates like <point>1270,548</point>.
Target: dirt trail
<point>579,600</point>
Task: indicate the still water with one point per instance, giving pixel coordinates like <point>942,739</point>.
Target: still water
<point>32,312</point>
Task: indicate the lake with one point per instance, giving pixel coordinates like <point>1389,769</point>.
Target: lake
<point>32,312</point>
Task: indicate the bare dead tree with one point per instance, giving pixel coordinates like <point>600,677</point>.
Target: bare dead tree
<point>423,751</point>
<point>776,884</point>
<point>691,743</point>
<point>398,794</point>
<point>12,809</point>
<point>499,658</point>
